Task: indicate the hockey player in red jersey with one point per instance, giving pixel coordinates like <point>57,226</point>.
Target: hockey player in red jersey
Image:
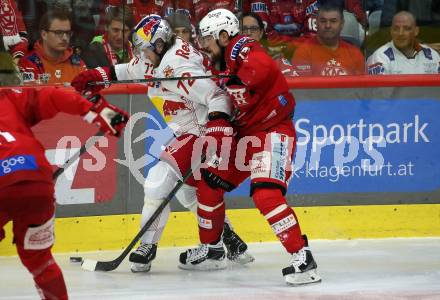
<point>263,118</point>
<point>26,186</point>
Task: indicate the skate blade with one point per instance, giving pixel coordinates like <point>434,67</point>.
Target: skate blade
<point>140,268</point>
<point>298,279</point>
<point>207,265</point>
<point>242,258</point>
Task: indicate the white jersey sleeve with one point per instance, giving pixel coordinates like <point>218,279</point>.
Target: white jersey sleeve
<point>137,68</point>
<point>183,60</point>
<point>379,63</point>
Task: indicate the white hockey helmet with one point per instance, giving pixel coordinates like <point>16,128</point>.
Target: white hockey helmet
<point>149,30</point>
<point>218,20</point>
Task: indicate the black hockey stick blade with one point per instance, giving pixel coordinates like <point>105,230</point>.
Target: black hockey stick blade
<point>93,265</point>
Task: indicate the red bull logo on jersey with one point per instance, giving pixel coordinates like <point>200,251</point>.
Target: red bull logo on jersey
<point>170,108</point>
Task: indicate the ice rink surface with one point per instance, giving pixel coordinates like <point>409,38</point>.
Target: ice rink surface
<point>356,269</point>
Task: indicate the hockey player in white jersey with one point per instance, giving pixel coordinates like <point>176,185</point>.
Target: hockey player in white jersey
<point>191,106</point>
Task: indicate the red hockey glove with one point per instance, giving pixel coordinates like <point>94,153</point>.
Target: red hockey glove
<point>85,81</point>
<point>218,127</point>
<point>109,118</point>
<point>238,92</point>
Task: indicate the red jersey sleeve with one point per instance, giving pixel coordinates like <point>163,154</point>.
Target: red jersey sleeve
<point>52,100</point>
<point>41,104</point>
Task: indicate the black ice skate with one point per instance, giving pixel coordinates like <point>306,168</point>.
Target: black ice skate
<point>141,258</point>
<point>236,247</point>
<point>302,268</point>
<point>204,258</point>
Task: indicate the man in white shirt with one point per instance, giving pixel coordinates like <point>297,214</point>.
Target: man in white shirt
<point>404,54</point>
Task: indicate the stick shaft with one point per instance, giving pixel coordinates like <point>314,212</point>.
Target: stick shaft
<point>77,155</point>
<point>111,265</point>
<point>160,79</point>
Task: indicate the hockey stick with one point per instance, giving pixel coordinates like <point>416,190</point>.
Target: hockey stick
<point>93,265</point>
<point>160,79</point>
<point>74,157</point>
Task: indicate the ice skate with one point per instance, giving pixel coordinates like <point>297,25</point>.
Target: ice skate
<point>236,247</point>
<point>204,258</point>
<point>302,268</point>
<point>141,258</point>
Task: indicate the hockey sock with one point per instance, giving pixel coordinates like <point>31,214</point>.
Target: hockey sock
<point>210,213</point>
<point>154,233</point>
<point>47,274</point>
<point>280,216</point>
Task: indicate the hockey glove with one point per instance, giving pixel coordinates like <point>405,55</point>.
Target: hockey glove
<point>85,81</point>
<point>217,127</point>
<point>237,91</point>
<point>109,118</point>
<point>221,129</point>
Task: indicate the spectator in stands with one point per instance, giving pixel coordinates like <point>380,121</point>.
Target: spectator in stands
<point>113,47</point>
<point>202,7</point>
<point>181,26</point>
<point>139,8</point>
<point>327,54</point>
<point>373,5</point>
<point>404,54</point>
<point>52,60</point>
<point>185,7</point>
<point>298,17</point>
<point>253,26</point>
<point>83,24</point>
<point>13,34</point>
<point>425,11</point>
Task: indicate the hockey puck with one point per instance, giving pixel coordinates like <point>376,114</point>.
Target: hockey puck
<point>76,259</point>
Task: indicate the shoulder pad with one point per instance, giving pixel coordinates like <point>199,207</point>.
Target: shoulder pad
<point>427,52</point>
<point>389,53</point>
<point>237,47</point>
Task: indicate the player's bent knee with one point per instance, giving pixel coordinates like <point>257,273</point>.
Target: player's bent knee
<point>160,181</point>
<point>186,195</point>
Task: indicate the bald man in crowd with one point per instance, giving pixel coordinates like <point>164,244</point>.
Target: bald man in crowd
<point>404,54</point>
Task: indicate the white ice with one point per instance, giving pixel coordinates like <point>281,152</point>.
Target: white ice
<point>355,269</point>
